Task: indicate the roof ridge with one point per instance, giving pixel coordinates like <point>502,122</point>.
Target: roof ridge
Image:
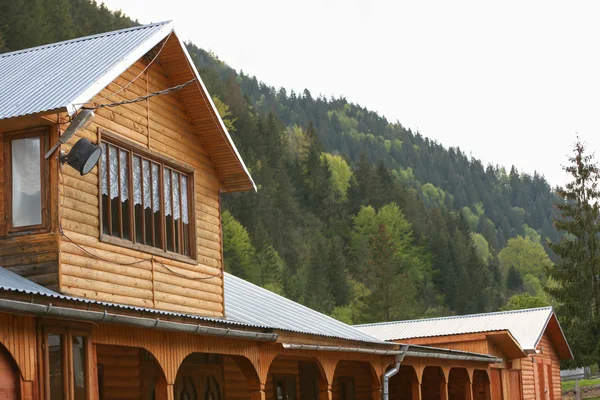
<point>83,38</point>
<point>525,310</point>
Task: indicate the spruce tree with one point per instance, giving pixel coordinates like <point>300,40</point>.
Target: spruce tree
<point>577,272</point>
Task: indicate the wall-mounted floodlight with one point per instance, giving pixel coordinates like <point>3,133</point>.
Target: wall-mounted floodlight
<point>81,121</point>
<point>84,155</point>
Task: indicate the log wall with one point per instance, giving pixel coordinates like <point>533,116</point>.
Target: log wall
<point>121,372</point>
<point>32,255</point>
<point>97,271</point>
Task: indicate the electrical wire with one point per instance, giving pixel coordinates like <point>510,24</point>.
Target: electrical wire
<point>137,76</point>
<point>151,259</point>
<point>141,98</point>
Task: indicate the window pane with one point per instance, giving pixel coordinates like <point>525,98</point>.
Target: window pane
<point>79,367</point>
<point>177,212</point>
<point>26,182</point>
<point>156,206</point>
<point>113,178</point>
<point>55,367</point>
<point>104,190</point>
<point>138,208</point>
<point>168,208</point>
<point>185,216</point>
<point>125,200</point>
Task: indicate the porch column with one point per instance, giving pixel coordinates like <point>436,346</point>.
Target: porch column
<point>376,390</point>
<point>257,391</point>
<point>325,392</point>
<point>443,390</point>
<point>164,391</point>
<point>416,391</point>
<point>468,390</point>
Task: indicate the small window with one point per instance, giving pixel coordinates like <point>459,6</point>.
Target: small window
<point>26,184</point>
<point>347,389</point>
<point>145,199</point>
<point>284,387</point>
<point>65,363</point>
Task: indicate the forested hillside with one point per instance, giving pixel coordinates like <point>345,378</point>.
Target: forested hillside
<point>355,215</point>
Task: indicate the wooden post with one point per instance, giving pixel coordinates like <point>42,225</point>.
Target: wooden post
<point>468,390</point>
<point>416,390</point>
<point>257,392</point>
<point>577,391</point>
<point>325,392</point>
<point>377,391</point>
<point>443,390</point>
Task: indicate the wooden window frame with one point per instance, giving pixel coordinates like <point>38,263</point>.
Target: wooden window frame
<point>284,378</point>
<point>43,133</point>
<point>66,330</point>
<point>347,380</point>
<point>110,138</point>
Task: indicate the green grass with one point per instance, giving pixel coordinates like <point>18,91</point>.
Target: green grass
<point>570,385</point>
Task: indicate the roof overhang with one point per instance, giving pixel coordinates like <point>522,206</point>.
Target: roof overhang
<point>174,57</point>
<point>557,337</point>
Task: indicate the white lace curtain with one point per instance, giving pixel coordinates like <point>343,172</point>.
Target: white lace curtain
<point>146,183</point>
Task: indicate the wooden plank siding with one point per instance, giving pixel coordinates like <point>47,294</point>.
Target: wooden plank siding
<point>161,125</point>
<point>18,336</point>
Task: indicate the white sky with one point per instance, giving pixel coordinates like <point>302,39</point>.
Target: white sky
<point>511,82</point>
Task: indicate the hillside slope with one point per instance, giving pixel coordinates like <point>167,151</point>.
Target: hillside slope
<point>355,215</point>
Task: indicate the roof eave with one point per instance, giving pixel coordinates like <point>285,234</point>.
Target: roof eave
<point>223,129</point>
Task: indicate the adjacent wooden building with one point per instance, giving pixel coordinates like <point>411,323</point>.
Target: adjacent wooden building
<point>111,270</point>
<point>530,343</point>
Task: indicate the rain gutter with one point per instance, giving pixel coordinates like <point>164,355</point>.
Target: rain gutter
<point>48,310</point>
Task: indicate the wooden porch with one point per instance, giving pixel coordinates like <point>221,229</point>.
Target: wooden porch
<point>58,359</point>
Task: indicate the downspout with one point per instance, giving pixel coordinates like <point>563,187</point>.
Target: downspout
<point>388,374</point>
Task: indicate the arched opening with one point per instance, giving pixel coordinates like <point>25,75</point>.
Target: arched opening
<point>433,384</point>
<point>481,385</point>
<point>129,372</point>
<point>404,385</point>
<point>354,380</point>
<point>459,385</point>
<point>9,376</point>
<point>200,377</point>
<point>295,378</point>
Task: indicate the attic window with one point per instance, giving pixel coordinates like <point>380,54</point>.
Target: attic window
<point>145,200</point>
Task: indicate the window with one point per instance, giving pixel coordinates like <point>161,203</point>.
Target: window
<point>25,175</point>
<point>145,199</point>
<point>347,391</point>
<point>65,363</point>
<point>284,387</point>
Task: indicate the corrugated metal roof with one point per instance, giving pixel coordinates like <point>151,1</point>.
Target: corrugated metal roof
<point>11,282</point>
<point>64,76</point>
<point>252,304</point>
<point>245,304</point>
<point>527,326</point>
<point>60,75</point>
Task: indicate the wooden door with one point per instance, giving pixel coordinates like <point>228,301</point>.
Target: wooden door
<point>9,377</point>
<point>549,387</point>
<point>514,379</point>
<point>496,381</point>
<point>309,381</point>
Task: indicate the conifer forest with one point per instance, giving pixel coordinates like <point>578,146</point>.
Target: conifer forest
<point>355,216</point>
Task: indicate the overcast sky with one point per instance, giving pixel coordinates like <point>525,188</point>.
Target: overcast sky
<point>510,82</point>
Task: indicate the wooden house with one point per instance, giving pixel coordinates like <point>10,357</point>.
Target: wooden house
<point>111,279</point>
<point>530,343</point>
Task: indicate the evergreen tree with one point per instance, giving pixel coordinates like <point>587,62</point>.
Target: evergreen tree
<point>577,274</point>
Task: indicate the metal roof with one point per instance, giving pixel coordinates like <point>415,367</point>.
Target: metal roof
<point>11,282</point>
<point>245,304</point>
<point>527,326</point>
<point>63,76</point>
<point>60,76</point>
<point>252,304</point>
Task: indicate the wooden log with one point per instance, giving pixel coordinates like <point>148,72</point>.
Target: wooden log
<point>115,289</point>
<point>184,309</point>
<point>105,296</point>
<point>187,292</point>
<point>188,302</point>
<point>105,277</point>
<point>137,271</point>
